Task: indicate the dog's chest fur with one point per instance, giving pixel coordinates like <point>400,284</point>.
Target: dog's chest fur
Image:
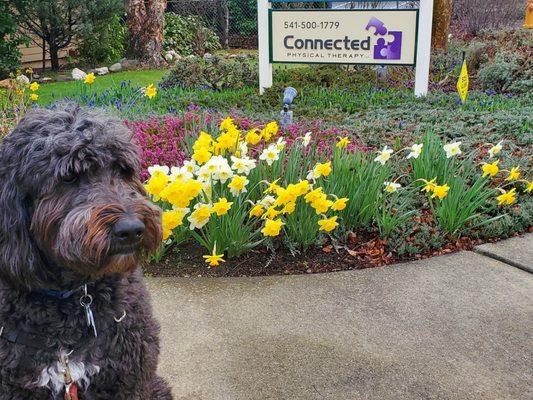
<point>52,377</point>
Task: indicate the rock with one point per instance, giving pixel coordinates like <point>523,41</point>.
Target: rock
<point>36,76</point>
<point>232,56</point>
<point>64,78</point>
<point>101,71</point>
<point>129,64</point>
<point>115,67</point>
<point>45,79</point>
<point>6,84</point>
<point>78,74</point>
<point>208,56</point>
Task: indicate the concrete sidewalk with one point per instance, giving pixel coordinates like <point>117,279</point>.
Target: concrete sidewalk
<point>452,327</point>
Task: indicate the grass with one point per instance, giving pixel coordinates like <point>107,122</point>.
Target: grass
<point>51,92</point>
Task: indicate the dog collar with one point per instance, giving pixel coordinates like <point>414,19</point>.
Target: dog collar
<point>57,294</point>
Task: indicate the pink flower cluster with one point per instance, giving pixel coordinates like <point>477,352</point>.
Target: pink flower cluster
<point>162,139</point>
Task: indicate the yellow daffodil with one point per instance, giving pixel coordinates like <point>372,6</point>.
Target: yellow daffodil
<point>314,195</point>
<point>89,79</point>
<point>238,185</point>
<point>339,204</point>
<point>271,213</point>
<point>322,204</point>
<point>157,182</point>
<point>270,131</point>
<point>323,169</point>
<point>34,97</point>
<point>272,227</point>
<point>214,259</point>
<point>150,91</point>
<point>257,211</point>
<point>490,169</point>
<point>272,187</point>
<point>34,86</point>
<point>429,185</point>
<point>171,220</point>
<point>440,191</point>
<point>507,197</point>
<point>289,208</point>
<point>222,206</point>
<point>200,216</point>
<point>252,137</point>
<point>328,224</point>
<point>529,187</point>
<point>514,174</point>
<point>343,142</point>
<point>201,156</point>
<point>227,124</point>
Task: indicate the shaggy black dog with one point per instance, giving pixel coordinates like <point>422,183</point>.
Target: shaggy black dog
<point>74,224</point>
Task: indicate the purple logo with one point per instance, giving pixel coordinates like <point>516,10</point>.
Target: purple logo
<point>384,50</point>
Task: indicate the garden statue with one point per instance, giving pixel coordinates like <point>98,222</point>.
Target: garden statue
<point>286,115</point>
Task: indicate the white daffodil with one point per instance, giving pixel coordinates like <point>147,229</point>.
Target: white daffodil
<point>391,187</point>
<point>281,143</point>
<point>243,149</point>
<point>384,155</point>
<point>496,149</point>
<point>270,154</point>
<point>452,149</point>
<point>78,74</point>
<point>23,79</point>
<point>311,176</point>
<point>180,173</point>
<point>306,139</point>
<point>242,165</point>
<point>191,166</point>
<point>267,201</point>
<point>416,150</point>
<point>225,173</point>
<point>161,168</point>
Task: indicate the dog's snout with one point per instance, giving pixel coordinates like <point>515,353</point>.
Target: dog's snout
<point>129,231</point>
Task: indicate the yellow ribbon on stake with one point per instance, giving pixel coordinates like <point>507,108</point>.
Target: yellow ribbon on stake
<point>462,82</point>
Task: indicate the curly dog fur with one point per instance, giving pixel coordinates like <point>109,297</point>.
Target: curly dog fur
<point>68,179</point>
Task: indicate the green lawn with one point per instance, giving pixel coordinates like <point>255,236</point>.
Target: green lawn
<point>50,92</point>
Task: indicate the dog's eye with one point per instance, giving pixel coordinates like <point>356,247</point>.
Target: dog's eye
<point>70,178</point>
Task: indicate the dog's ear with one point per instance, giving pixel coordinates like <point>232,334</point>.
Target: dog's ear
<point>20,261</point>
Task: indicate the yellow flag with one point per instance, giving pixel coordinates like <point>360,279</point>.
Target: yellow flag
<point>462,82</point>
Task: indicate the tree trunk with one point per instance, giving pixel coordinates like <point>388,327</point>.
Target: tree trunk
<point>145,19</point>
<point>54,56</point>
<point>442,14</point>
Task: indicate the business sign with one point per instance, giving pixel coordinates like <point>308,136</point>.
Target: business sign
<point>343,36</point>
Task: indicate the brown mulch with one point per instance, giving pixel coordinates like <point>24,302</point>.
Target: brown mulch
<point>358,253</point>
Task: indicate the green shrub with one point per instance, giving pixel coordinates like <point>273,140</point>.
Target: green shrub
<point>9,42</point>
<point>215,73</point>
<point>188,35</point>
<point>498,75</point>
<point>106,44</point>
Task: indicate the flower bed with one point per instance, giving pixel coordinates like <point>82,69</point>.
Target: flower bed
<point>240,189</point>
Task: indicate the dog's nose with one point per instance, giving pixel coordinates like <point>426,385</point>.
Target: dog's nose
<point>129,230</point>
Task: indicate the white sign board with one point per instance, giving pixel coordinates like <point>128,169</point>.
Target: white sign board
<point>383,37</point>
<point>314,36</point>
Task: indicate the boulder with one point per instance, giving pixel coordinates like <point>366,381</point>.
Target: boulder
<point>130,64</point>
<point>101,71</point>
<point>115,67</point>
<point>78,74</point>
<point>45,79</point>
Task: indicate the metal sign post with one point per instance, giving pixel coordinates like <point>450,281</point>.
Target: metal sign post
<point>387,36</point>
